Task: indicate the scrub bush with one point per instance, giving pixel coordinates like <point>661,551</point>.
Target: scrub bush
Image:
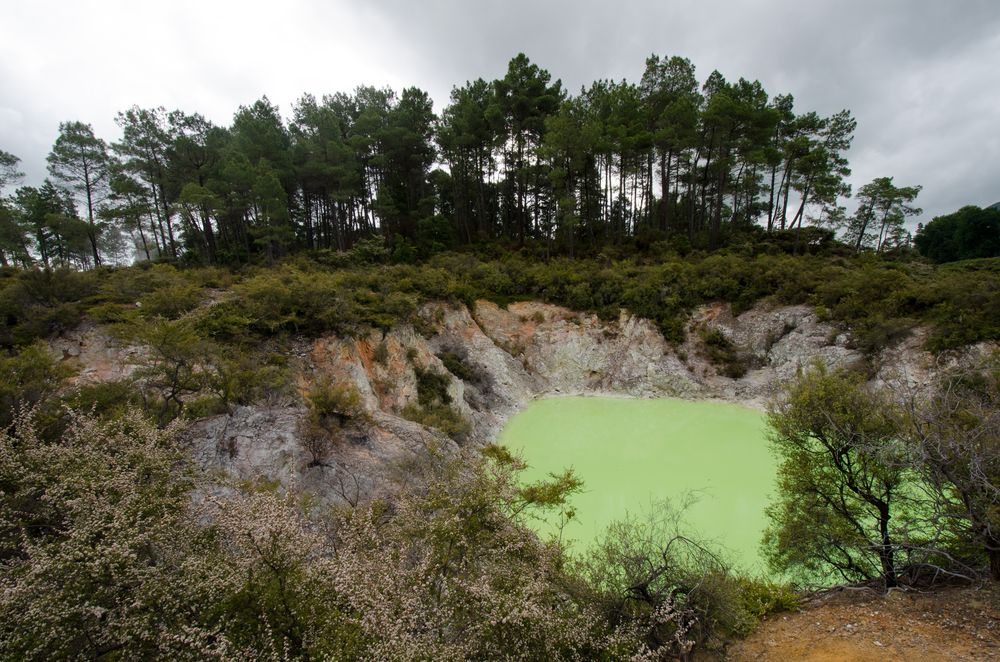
<point>721,351</point>
<point>172,301</point>
<point>675,591</point>
<point>330,407</point>
<point>458,367</point>
<point>432,387</point>
<point>440,417</point>
<point>27,378</point>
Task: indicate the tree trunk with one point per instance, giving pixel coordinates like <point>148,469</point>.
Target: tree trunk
<point>886,554</point>
<point>864,226</point>
<point>142,235</point>
<point>993,553</point>
<point>92,231</point>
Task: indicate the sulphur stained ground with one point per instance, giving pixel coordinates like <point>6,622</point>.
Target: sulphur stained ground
<point>634,453</point>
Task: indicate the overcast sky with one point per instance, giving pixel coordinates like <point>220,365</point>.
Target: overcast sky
<point>922,77</point>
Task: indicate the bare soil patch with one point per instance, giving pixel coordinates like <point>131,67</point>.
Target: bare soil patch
<point>861,626</point>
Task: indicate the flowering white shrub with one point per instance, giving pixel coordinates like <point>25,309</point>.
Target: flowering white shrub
<point>106,551</point>
<point>449,573</point>
<point>98,556</point>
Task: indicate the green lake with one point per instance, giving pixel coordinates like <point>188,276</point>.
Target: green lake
<point>632,453</point>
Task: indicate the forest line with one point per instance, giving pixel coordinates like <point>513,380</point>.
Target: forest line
<point>516,159</point>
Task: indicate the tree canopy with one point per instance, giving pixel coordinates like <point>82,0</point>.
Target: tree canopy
<point>515,160</point>
<point>968,233</point>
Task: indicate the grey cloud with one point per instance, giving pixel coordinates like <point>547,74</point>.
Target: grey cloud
<point>919,75</point>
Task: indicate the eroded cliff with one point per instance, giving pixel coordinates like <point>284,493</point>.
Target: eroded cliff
<point>506,357</point>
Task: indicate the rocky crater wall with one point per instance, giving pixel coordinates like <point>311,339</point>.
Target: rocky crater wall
<point>509,356</point>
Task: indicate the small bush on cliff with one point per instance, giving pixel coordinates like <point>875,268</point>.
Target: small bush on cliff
<point>432,387</point>
<point>433,408</point>
<point>721,351</point>
<point>458,367</point>
<point>440,417</point>
<point>330,408</point>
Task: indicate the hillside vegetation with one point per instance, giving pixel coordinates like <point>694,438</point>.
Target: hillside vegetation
<point>448,568</point>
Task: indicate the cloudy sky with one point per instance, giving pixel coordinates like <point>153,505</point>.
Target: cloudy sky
<point>922,77</point>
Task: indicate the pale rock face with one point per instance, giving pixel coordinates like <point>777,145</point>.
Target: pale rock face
<point>910,366</point>
<point>780,340</point>
<point>516,354</point>
<point>254,443</point>
<point>571,353</point>
<point>100,357</point>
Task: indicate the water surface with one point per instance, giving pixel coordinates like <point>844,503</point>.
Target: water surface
<point>632,453</point>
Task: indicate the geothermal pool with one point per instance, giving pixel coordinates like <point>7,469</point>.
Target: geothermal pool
<point>632,453</point>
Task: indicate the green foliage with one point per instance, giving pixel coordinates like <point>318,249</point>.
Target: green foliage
<point>184,368</point>
<point>243,376</point>
<point>458,367</point>
<point>963,304</point>
<point>331,407</point>
<point>763,597</point>
<point>440,417</point>
<point>111,492</point>
<point>877,300</point>
<point>381,353</point>
<point>842,484</point>
<point>432,387</point>
<point>27,378</point>
<point>174,371</point>
<point>720,351</point>
<point>331,401</point>
<point>172,301</point>
<point>433,407</point>
<point>35,304</point>
<point>953,433</point>
<point>104,399</point>
<point>968,233</point>
<point>879,222</point>
<point>446,571</point>
<point>674,589</point>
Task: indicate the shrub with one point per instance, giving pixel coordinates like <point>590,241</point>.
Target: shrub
<point>440,417</point>
<point>674,591</point>
<point>432,388</point>
<point>244,377</point>
<point>330,407</point>
<point>458,367</point>
<point>842,507</point>
<point>35,304</point>
<point>175,368</point>
<point>27,378</point>
<point>721,351</point>
<point>104,399</point>
<point>114,493</point>
<point>762,597</point>
<point>172,301</point>
<point>381,353</point>
<point>334,401</point>
<point>224,322</point>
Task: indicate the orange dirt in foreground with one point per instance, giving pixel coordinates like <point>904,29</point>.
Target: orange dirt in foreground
<point>946,625</point>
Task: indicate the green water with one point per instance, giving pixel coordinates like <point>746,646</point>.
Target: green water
<point>633,453</point>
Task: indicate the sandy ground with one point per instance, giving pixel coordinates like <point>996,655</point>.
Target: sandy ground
<point>946,625</point>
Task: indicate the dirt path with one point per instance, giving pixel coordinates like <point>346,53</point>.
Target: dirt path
<point>946,625</point>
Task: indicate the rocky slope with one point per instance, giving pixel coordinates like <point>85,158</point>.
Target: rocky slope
<point>509,356</point>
